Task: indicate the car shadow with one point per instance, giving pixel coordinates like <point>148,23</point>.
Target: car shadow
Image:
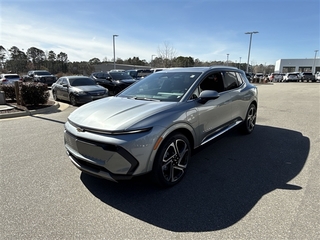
<point>224,182</point>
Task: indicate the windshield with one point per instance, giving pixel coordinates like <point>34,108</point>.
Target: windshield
<point>120,75</point>
<point>81,81</point>
<point>162,86</point>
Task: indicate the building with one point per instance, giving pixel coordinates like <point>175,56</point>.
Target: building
<point>297,65</point>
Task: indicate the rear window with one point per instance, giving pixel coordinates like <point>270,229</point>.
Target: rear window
<point>11,76</point>
<point>42,73</point>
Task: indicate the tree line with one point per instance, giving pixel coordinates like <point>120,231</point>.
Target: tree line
<point>17,61</point>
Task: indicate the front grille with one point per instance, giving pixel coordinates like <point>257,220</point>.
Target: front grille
<point>100,93</point>
<point>95,151</point>
<point>99,155</point>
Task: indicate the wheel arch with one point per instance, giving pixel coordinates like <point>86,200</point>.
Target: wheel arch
<point>184,129</point>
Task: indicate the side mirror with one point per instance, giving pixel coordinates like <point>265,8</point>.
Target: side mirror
<point>108,78</point>
<point>207,95</point>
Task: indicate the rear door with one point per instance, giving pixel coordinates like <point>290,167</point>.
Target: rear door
<point>234,84</point>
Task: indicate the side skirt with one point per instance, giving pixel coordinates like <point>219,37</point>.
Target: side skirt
<point>221,131</point>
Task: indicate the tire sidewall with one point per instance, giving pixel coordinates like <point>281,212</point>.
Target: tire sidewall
<point>73,100</point>
<point>245,127</point>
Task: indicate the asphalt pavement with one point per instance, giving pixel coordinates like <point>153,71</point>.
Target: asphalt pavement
<point>265,185</point>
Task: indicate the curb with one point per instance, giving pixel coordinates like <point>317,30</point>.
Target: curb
<point>52,109</point>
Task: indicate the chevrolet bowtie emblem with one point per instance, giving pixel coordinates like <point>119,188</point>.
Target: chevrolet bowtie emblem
<point>80,129</point>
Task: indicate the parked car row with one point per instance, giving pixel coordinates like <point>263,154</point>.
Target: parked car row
<point>80,89</point>
<point>299,76</point>
<point>285,77</point>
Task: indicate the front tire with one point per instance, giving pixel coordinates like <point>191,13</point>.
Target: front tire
<point>73,100</point>
<point>250,120</point>
<point>171,160</point>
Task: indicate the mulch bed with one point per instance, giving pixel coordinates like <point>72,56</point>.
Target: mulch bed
<point>19,108</point>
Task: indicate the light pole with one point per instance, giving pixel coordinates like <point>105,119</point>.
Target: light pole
<point>114,52</point>
<point>227,59</point>
<point>249,47</point>
<point>240,63</point>
<point>151,60</point>
<point>314,61</point>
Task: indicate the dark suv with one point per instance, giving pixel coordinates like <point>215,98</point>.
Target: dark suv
<point>41,76</point>
<point>307,76</point>
<point>115,82</point>
<point>138,73</point>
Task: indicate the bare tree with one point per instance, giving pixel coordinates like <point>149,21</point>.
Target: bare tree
<point>167,53</point>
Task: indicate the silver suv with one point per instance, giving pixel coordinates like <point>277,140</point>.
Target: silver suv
<point>155,124</point>
<point>291,77</point>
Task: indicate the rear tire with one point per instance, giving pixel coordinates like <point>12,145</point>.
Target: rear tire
<point>249,123</point>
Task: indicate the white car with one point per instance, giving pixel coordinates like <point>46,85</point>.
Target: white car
<point>291,77</point>
<point>9,78</point>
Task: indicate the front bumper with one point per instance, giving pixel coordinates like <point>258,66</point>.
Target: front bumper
<point>88,98</point>
<point>100,159</point>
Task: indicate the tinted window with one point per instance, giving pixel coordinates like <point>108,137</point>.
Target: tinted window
<point>240,79</point>
<point>214,81</point>
<point>230,80</point>
<point>81,81</point>
<point>11,76</point>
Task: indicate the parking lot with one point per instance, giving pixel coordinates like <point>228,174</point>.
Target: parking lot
<point>261,186</point>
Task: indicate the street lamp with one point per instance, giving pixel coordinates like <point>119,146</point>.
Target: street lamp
<point>240,63</point>
<point>151,60</point>
<point>227,59</point>
<point>114,52</point>
<point>314,61</point>
<point>249,47</point>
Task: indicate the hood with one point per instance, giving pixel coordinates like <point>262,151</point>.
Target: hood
<point>128,80</point>
<point>88,88</point>
<point>115,113</point>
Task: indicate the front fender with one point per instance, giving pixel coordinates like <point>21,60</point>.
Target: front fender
<point>182,127</point>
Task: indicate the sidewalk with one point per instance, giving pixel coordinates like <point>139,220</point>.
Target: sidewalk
<point>57,107</point>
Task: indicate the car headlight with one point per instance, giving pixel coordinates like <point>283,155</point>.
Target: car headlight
<point>81,93</point>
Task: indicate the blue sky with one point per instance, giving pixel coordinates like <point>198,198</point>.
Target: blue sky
<point>207,30</point>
